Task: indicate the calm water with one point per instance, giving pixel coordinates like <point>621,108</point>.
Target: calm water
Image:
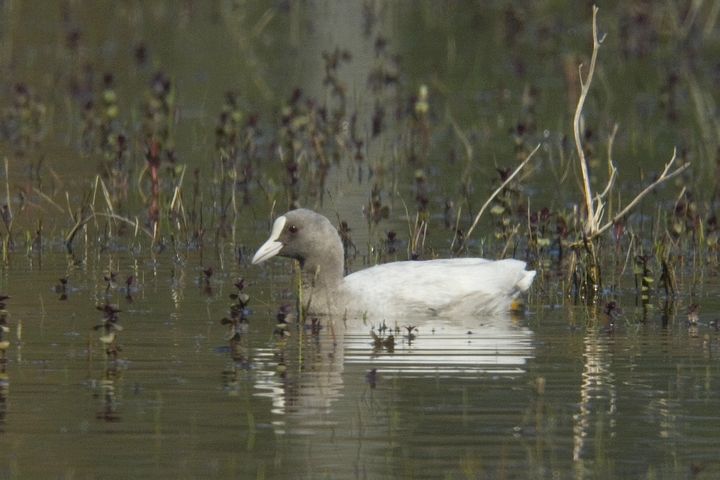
<point>543,395</point>
<point>555,393</point>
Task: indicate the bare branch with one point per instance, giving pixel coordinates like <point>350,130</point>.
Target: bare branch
<point>600,204</point>
<point>664,176</point>
<point>591,225</point>
<point>132,223</point>
<point>611,165</point>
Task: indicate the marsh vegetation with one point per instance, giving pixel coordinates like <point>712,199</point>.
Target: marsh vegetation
<point>146,148</point>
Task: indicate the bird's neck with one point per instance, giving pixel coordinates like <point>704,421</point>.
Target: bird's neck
<point>324,273</point>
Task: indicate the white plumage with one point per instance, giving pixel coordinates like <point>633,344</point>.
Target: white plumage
<point>449,287</point>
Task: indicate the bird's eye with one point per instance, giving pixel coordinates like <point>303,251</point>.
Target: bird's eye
<point>293,229</point>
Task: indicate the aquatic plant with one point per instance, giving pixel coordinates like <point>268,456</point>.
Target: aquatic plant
<point>410,332</point>
<point>372,377</point>
<point>129,280</point>
<point>109,406</point>
<point>236,146</point>
<point>390,242</point>
<point>110,328</point>
<point>237,323</point>
<point>419,127</point>
<point>315,327</point>
<point>7,218</point>
<point>607,318</point>
<point>309,139</point>
<point>692,315</point>
<point>418,233</point>
<point>505,205</point>
<point>540,231</point>
<point>205,280</point>
<point>61,288</point>
<point>507,178</point>
<point>113,143</point>
<point>23,121</point>
<point>4,329</point>
<point>382,343</point>
<point>338,89</point>
<point>158,110</point>
<point>110,282</point>
<point>349,248</point>
<point>643,277</point>
<point>284,317</point>
<point>152,159</point>
<point>374,211</point>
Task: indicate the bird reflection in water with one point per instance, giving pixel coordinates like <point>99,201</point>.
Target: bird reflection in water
<point>312,370</point>
<point>4,344</point>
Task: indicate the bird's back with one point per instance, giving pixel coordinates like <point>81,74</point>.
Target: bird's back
<point>436,287</point>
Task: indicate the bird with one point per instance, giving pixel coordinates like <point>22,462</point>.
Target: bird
<point>439,288</point>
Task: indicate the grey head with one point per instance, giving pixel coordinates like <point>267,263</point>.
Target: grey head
<point>311,239</point>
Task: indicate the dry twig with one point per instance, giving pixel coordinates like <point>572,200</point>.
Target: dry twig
<point>596,207</point>
<point>495,194</point>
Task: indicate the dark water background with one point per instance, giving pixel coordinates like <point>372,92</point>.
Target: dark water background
<point>560,392</point>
